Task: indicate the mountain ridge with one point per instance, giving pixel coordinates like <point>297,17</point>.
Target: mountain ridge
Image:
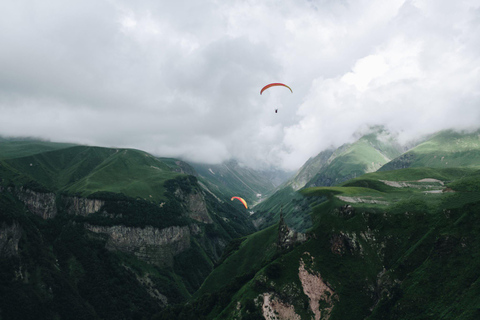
<point>143,219</point>
<point>389,244</point>
<point>329,167</point>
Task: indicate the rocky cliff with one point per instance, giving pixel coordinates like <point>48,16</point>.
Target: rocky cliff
<point>287,237</point>
<point>157,246</point>
<point>42,204</point>
<point>82,206</point>
<point>195,205</point>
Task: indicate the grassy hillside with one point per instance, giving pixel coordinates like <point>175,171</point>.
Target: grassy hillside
<point>367,154</point>
<point>443,150</point>
<point>85,170</point>
<point>330,167</point>
<point>242,257</point>
<point>15,148</point>
<point>310,169</point>
<point>389,245</point>
<point>294,207</point>
<point>60,264</point>
<point>231,179</point>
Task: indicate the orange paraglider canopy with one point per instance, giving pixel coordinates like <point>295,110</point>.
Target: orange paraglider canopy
<point>241,200</point>
<point>274,85</point>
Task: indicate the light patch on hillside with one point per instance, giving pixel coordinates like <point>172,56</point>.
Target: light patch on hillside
<point>274,309</point>
<point>361,200</point>
<point>318,291</point>
<point>204,187</point>
<point>427,183</point>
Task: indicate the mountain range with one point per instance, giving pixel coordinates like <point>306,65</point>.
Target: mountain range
<point>369,230</point>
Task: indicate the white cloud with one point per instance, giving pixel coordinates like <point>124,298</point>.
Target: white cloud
<point>182,78</point>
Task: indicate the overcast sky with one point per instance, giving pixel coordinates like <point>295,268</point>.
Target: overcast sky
<point>182,78</point>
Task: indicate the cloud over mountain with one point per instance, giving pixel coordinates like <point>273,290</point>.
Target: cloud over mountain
<point>182,78</point>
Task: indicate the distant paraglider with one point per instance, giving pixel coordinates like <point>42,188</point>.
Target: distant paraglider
<point>241,200</point>
<point>275,85</point>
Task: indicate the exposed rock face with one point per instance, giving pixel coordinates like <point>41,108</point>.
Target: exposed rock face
<point>275,309</point>
<point>346,211</point>
<point>340,244</point>
<point>83,206</point>
<point>152,290</point>
<point>361,200</point>
<point>157,246</point>
<point>287,237</point>
<point>197,208</point>
<point>44,204</point>
<point>39,203</point>
<point>345,242</point>
<point>195,205</point>
<point>9,237</point>
<point>427,183</point>
<point>318,291</point>
<point>322,297</point>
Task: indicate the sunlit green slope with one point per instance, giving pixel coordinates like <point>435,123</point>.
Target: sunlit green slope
<point>365,155</point>
<point>85,170</point>
<point>442,150</point>
<point>389,245</point>
<point>329,167</point>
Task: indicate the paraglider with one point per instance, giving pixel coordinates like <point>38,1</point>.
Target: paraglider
<point>241,200</point>
<point>276,84</point>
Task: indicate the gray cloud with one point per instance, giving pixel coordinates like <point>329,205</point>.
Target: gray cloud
<point>182,78</point>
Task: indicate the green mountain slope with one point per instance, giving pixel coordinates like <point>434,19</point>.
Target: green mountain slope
<point>112,233</point>
<point>388,245</point>
<point>242,257</point>
<point>367,154</point>
<point>232,179</point>
<point>310,169</point>
<point>330,167</point>
<point>15,148</point>
<point>86,170</point>
<point>442,150</point>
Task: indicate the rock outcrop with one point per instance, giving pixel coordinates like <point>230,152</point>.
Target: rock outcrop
<point>288,237</point>
<point>275,309</point>
<point>156,246</point>
<point>9,237</point>
<point>42,204</point>
<point>321,295</point>
<point>82,206</point>
<point>195,205</point>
